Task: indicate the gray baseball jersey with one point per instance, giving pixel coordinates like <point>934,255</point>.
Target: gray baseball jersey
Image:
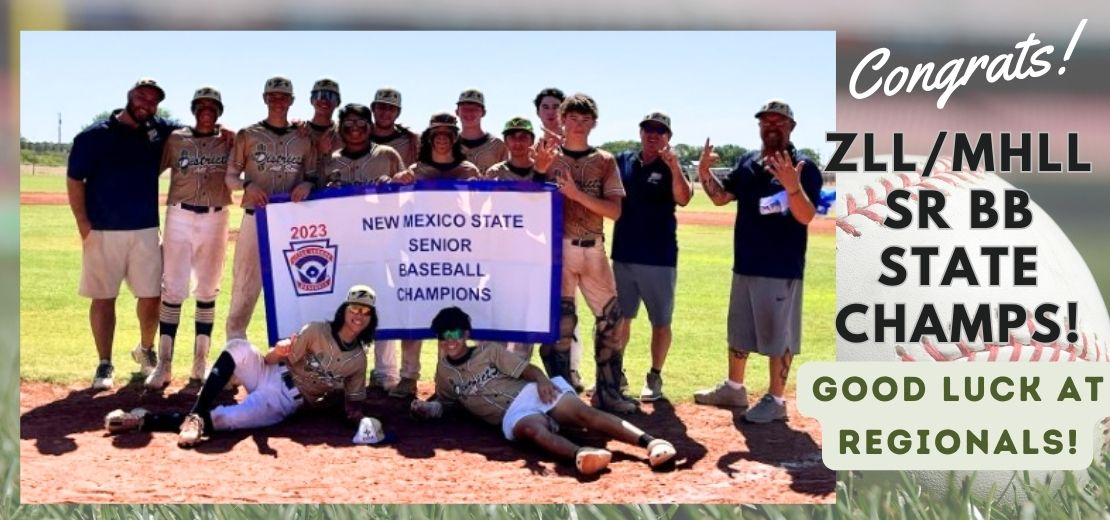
<point>485,151</point>
<point>342,169</point>
<point>197,165</point>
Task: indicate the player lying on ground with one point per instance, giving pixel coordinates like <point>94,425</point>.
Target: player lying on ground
<point>325,358</point>
<point>501,388</point>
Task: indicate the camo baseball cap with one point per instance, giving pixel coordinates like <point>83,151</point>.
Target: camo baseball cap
<point>279,84</point>
<point>207,93</point>
<point>444,119</point>
<point>361,295</point>
<point>327,84</point>
<point>388,96</point>
<point>150,82</point>
<point>518,123</point>
<point>776,106</point>
<point>658,117</point>
<point>472,95</point>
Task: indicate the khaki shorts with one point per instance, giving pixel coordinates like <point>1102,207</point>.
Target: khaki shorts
<point>110,257</point>
<point>765,315</point>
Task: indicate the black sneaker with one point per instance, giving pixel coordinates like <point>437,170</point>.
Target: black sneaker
<point>102,380</point>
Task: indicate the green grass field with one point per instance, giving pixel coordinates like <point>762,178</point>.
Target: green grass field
<point>57,345</point>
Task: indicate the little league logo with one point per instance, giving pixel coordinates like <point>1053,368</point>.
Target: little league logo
<point>312,266</point>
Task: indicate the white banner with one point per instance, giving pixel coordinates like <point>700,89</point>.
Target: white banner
<point>492,248</point>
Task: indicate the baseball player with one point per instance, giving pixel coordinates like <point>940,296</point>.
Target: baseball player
<point>481,148</point>
<point>591,186</point>
<point>321,128</point>
<point>441,157</point>
<point>195,238</point>
<point>268,157</point>
<point>506,391</point>
<point>387,108</point>
<point>547,103</point>
<point>521,166</point>
<point>547,109</point>
<point>645,240</point>
<point>326,358</point>
<point>360,161</point>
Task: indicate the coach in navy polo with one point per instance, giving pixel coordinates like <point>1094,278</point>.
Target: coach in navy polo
<point>774,188</point>
<point>113,192</point>
<point>645,245</point>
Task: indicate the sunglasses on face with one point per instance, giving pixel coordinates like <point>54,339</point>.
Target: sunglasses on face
<point>326,95</point>
<point>359,309</point>
<point>352,123</point>
<point>451,335</point>
<point>654,129</point>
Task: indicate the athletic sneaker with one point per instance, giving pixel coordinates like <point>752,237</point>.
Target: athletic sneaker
<point>406,388</point>
<point>653,388</point>
<point>723,395</point>
<point>119,421</point>
<point>591,460</point>
<point>102,379</point>
<point>659,452</point>
<point>378,380</point>
<point>192,430</point>
<point>146,358</point>
<point>766,411</point>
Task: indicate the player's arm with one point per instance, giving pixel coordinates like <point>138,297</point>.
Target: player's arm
<point>168,153</point>
<point>609,207</point>
<point>236,162</point>
<point>544,386</point>
<point>76,173</point>
<point>354,393</point>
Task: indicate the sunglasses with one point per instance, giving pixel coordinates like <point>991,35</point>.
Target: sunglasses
<point>654,129</point>
<point>326,95</point>
<point>352,123</point>
<point>359,309</point>
<point>451,335</point>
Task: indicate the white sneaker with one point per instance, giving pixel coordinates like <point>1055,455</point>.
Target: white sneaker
<point>146,358</point>
<point>102,379</point>
<point>119,421</point>
<point>659,452</point>
<point>163,370</point>
<point>192,430</point>
<point>591,460</point>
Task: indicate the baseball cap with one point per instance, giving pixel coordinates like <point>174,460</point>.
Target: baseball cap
<point>658,117</point>
<point>472,95</point>
<point>279,84</point>
<point>776,106</point>
<point>361,295</point>
<point>518,123</point>
<point>444,119</point>
<point>327,84</point>
<point>207,93</point>
<point>150,82</point>
<point>388,96</point>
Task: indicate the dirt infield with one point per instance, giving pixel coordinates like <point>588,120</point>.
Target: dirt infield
<point>68,457</point>
<point>701,218</point>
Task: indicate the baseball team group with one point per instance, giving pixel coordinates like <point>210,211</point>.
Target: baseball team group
<point>112,184</point>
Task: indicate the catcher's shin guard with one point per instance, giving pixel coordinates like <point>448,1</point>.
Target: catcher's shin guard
<point>555,362</point>
<point>607,394</point>
<point>222,372</point>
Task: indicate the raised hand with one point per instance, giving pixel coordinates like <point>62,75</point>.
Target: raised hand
<point>708,157</point>
<point>544,154</point>
<point>784,170</point>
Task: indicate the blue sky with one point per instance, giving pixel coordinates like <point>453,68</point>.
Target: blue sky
<point>711,83</point>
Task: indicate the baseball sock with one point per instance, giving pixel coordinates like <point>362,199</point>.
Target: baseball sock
<point>206,314</point>
<point>656,371</point>
<point>169,316</point>
<point>217,379</point>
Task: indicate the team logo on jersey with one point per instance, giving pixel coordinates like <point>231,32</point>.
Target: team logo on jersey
<point>312,266</point>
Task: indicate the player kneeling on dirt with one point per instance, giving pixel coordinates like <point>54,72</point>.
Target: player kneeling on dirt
<point>501,388</point>
<point>324,358</point>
